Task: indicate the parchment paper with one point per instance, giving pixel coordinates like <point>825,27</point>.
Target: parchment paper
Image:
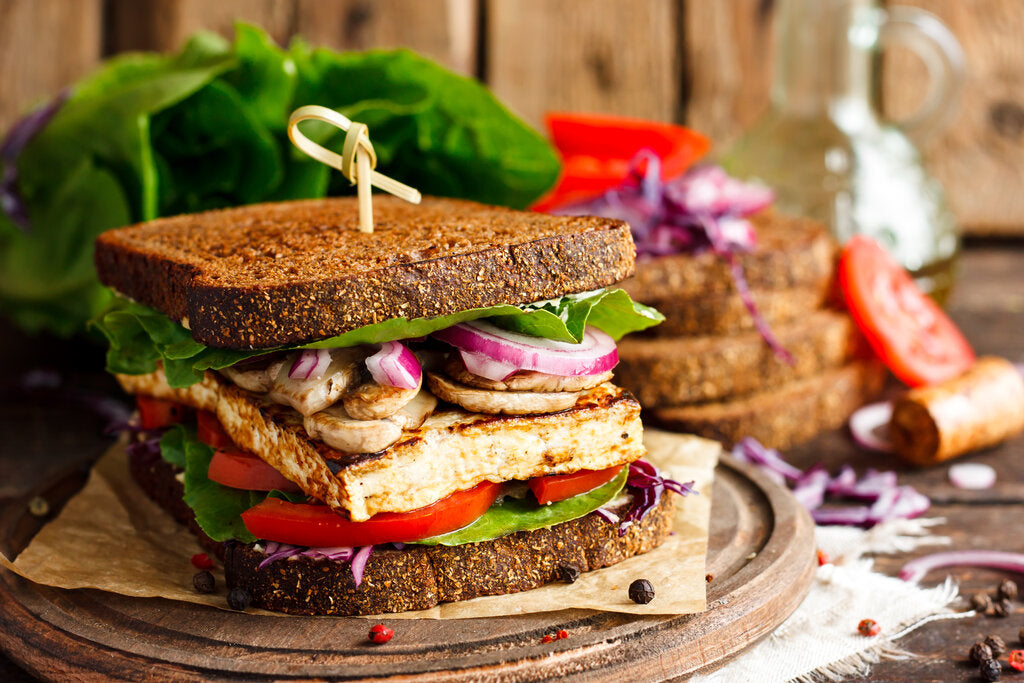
<point>110,536</point>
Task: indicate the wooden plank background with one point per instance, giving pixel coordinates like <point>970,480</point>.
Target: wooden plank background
<point>703,62</point>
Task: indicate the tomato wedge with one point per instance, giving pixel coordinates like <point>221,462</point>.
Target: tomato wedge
<point>241,470</point>
<point>556,487</point>
<point>906,329</point>
<point>211,432</point>
<point>597,150</point>
<point>157,412</point>
<point>319,526</point>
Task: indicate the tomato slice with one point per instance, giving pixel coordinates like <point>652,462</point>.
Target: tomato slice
<point>906,329</point>
<point>597,150</point>
<point>241,470</point>
<point>556,487</point>
<point>319,526</point>
<point>211,432</point>
<point>157,412</point>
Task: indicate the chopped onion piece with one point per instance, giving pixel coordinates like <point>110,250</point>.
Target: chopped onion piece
<point>972,475</point>
<point>888,499</point>
<point>869,426</point>
<point>359,563</point>
<point>915,570</point>
<point>810,488</point>
<point>395,366</point>
<point>311,364</point>
<point>494,353</point>
<point>768,459</point>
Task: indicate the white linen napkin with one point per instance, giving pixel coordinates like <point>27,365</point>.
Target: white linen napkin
<point>820,642</point>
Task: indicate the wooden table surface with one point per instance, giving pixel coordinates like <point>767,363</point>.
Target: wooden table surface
<point>988,305</point>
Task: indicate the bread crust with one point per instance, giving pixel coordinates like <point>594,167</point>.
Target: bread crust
<point>786,415</point>
<point>675,371</point>
<point>790,252</point>
<point>284,273</point>
<point>416,577</point>
<point>725,313</point>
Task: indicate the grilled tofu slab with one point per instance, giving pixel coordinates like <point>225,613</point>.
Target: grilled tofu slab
<point>451,451</point>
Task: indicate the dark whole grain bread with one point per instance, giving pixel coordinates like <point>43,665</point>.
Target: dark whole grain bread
<point>790,253</point>
<point>273,274</point>
<point>680,370</point>
<point>722,313</point>
<point>416,577</point>
<point>786,415</point>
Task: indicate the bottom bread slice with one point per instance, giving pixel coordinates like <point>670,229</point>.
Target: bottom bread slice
<point>415,577</point>
<point>785,416</point>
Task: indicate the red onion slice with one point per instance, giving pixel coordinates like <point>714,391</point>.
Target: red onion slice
<point>359,563</point>
<point>869,426</point>
<point>311,364</point>
<point>972,475</point>
<point>494,353</point>
<point>608,515</point>
<point>990,559</point>
<point>395,366</point>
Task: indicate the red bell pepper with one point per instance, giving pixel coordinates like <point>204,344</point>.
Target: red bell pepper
<point>597,150</point>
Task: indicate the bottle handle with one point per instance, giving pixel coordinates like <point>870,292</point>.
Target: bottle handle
<point>935,44</point>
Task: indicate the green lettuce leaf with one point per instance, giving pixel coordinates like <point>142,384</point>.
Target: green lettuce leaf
<point>140,336</point>
<point>526,514</point>
<point>149,134</point>
<point>218,509</point>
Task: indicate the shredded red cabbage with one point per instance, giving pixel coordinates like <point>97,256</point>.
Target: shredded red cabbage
<point>888,500</point>
<point>357,558</point>
<point>702,210</point>
<point>19,135</point>
<point>647,485</point>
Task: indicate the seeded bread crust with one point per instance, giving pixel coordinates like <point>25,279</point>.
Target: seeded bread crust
<point>790,253</point>
<point>416,577</point>
<point>290,272</point>
<point>675,371</point>
<point>786,415</point>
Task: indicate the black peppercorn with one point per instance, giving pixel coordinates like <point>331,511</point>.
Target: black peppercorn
<point>980,602</point>
<point>641,591</point>
<point>991,670</point>
<point>568,573</point>
<point>203,582</point>
<point>1008,589</point>
<point>980,652</point>
<point>996,644</point>
<point>1002,608</point>
<point>239,598</point>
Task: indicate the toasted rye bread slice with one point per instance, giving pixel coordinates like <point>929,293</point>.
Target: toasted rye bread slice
<point>416,577</point>
<point>274,274</point>
<point>676,371</point>
<point>453,450</point>
<point>723,313</point>
<point>791,252</point>
<point>787,414</point>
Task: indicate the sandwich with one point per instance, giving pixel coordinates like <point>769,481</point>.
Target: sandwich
<point>360,423</point>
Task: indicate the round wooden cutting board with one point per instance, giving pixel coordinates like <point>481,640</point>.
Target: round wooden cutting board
<point>760,562</point>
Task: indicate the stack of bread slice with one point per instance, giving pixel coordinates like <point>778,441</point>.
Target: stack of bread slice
<point>707,370</point>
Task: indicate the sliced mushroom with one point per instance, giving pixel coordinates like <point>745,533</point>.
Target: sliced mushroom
<point>310,396</point>
<point>253,375</point>
<point>339,430</point>
<point>373,401</point>
<point>524,380</point>
<point>500,402</point>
